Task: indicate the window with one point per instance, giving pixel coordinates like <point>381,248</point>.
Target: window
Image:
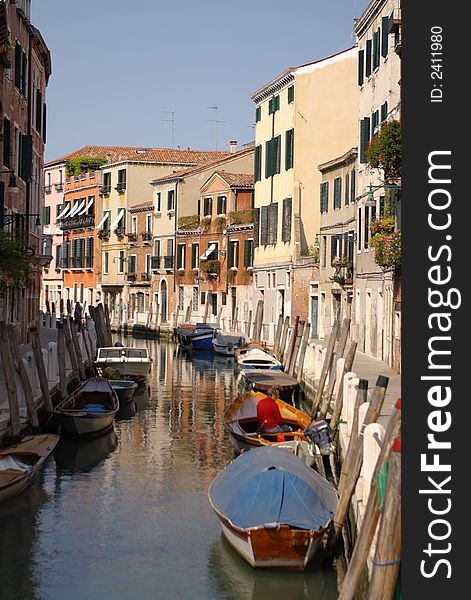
<point>337,193</point>
<point>181,297</point>
<point>21,68</point>
<point>148,264</point>
<point>272,156</point>
<point>215,253</point>
<point>181,256</point>
<point>264,225</point>
<point>121,180</point>
<point>347,189</point>
<point>366,228</point>
<point>158,202</point>
<point>273,223</point>
<point>6,142</point>
<point>384,112</point>
<point>195,250</point>
<point>361,67</point>
<point>121,262</point>
<point>171,200</point>
<point>289,149</point>
<point>374,122</point>
<point>223,298</point>
<point>89,257</point>
<point>368,58</point>
<point>90,204</point>
<point>290,94</point>
<point>195,299</point>
<point>46,215</point>
<point>376,48</point>
<point>359,230</point>
<point>132,263</point>
<point>324,197</point>
<point>258,114</point>
<point>324,251</point>
<point>287,219</point>
<point>258,163</point>
<point>248,253</point>
<point>222,201</point>
<point>208,206</point>
<point>273,104</point>
<point>106,262</point>
<point>203,297</point>
<point>353,185</point>
<point>335,248</point>
<point>233,254</point>
<point>58,255</point>
<point>148,223</point>
<point>106,187</point>
<point>364,138</point>
<point>157,248</point>
<point>385,36</point>
<point>134,225</point>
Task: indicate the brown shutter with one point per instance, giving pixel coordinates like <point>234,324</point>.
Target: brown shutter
<point>287,219</point>
<point>264,225</point>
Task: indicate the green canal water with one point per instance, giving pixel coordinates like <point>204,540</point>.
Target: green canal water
<point>126,516</point>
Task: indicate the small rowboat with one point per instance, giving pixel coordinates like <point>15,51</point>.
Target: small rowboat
<point>20,463</point>
<point>240,420</point>
<point>90,409</point>
<point>255,358</point>
<point>273,509</point>
<point>124,389</point>
<point>261,380</point>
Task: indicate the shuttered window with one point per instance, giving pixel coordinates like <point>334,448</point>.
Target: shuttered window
<point>248,253</point>
<point>273,223</point>
<point>181,256</point>
<point>44,121</point>
<point>208,206</point>
<point>273,105</point>
<point>324,197</point>
<point>385,36</point>
<point>290,94</point>
<point>361,67</point>
<point>258,163</point>
<point>337,192</point>
<point>347,189</point>
<point>289,149</point>
<point>258,114</point>
<point>359,230</point>
<point>256,227</point>
<point>376,48</point>
<point>58,255</point>
<point>18,64</point>
<point>26,154</point>
<point>368,58</point>
<point>89,259</point>
<point>287,220</point>
<point>264,225</point>
<point>364,138</point>
<point>171,200</point>
<point>353,190</point>
<point>335,250</point>
<point>132,263</point>
<point>194,255</point>
<point>6,142</point>
<point>277,150</point>
<point>46,215</point>
<point>272,156</point>
<point>384,111</point>
<point>374,122</point>
<point>222,205</point>
<point>366,228</point>
<point>233,254</point>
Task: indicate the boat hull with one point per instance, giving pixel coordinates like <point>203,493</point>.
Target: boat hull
<point>83,426</point>
<point>125,393</point>
<point>203,342</point>
<point>129,370</point>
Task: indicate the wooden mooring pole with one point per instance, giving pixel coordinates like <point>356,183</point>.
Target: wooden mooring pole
<point>78,353</point>
<point>279,329</point>
<point>9,374</point>
<point>25,382</point>
<point>292,341</point>
<point>346,369</point>
<point>302,351</point>
<point>284,335</point>
<point>325,367</point>
<point>61,349</point>
<point>38,358</point>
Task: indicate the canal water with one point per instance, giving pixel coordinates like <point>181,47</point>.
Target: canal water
<point>126,516</point>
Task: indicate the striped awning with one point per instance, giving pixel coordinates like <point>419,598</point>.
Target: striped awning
<point>87,207</point>
<point>64,213</point>
<point>78,206</point>
<point>209,251</point>
<point>102,222</point>
<point>118,219</point>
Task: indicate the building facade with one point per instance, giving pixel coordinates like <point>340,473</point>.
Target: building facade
<point>303,117</point>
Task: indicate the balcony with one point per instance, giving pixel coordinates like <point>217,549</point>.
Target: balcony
<point>155,263</point>
<point>65,262</point>
<point>104,190</point>
<point>59,187</point>
<point>104,234</point>
<point>77,262</point>
<point>120,187</point>
<point>131,276</point>
<point>169,262</point>
<point>343,274</point>
<point>89,262</point>
<point>47,189</point>
<point>78,222</point>
<point>132,237</point>
<point>119,231</point>
<point>146,236</point>
<point>145,276</point>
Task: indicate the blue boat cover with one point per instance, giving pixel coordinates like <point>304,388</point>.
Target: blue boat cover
<point>270,487</point>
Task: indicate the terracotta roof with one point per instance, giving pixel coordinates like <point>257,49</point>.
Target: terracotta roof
<point>237,179</point>
<point>138,154</point>
<point>184,172</point>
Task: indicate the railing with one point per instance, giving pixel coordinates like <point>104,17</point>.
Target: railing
<point>132,237</point>
<point>119,232</point>
<point>169,262</point>
<point>78,262</point>
<point>146,235</point>
<point>343,275</point>
<point>105,190</point>
<point>47,189</point>
<point>145,276</point>
<point>89,262</point>
<point>155,262</point>
<point>78,222</point>
<point>104,234</point>
<point>59,187</point>
<point>120,187</point>
<point>131,276</point>
<point>65,262</point>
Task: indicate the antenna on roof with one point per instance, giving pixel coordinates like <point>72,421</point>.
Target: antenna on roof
<point>172,121</point>
<point>216,122</point>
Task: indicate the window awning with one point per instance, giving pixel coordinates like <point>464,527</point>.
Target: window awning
<point>84,210</point>
<point>102,222</point>
<point>207,252</point>
<point>78,206</point>
<point>118,219</point>
<point>64,213</point>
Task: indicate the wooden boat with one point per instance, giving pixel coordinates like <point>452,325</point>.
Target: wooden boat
<point>273,509</point>
<point>261,380</point>
<point>132,363</point>
<point>20,463</point>
<point>240,420</point>
<point>90,409</point>
<point>225,343</point>
<point>124,389</point>
<point>201,338</point>
<point>249,346</point>
<point>255,358</point>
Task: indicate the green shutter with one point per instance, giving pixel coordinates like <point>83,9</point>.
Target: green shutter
<point>258,114</point>
<point>18,65</point>
<point>248,253</point>
<point>287,220</point>
<point>384,111</point>
<point>385,36</point>
<point>6,142</point>
<point>376,49</point>
<point>364,138</point>
<point>361,67</point>
<point>347,189</point>
<point>194,251</point>
<point>353,186</point>
<point>258,163</point>
<point>264,225</point>
<point>270,106</point>
<point>368,58</point>
<point>256,227</point>
<point>277,153</point>
<point>267,158</point>
<point>289,147</point>
<point>290,94</point>
<point>230,255</point>
<point>46,215</point>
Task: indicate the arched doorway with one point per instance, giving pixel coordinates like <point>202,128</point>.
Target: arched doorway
<point>163,300</point>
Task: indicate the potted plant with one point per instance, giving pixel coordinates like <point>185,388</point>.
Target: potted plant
<point>384,150</point>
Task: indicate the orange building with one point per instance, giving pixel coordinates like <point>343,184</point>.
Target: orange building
<point>214,255</point>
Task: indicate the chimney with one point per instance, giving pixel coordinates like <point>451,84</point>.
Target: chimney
<point>233,146</point>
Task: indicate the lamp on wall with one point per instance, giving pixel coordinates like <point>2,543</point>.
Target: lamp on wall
<point>12,181</point>
<point>370,197</point>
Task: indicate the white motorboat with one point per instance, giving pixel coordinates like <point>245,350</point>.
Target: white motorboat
<point>131,363</point>
<point>226,342</point>
<point>258,359</point>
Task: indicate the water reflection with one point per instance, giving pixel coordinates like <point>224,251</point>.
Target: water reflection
<point>126,515</point>
<point>234,579</point>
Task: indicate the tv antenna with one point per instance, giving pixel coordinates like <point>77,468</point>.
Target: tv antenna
<point>216,122</point>
<point>172,121</point>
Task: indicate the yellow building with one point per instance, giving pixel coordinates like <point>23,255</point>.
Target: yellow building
<point>303,119</point>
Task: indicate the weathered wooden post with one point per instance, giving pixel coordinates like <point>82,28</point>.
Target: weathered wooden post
<point>257,328</point>
<point>284,335</point>
<point>292,341</point>
<point>71,350</point>
<point>78,353</point>
<point>388,546</point>
<point>302,352</point>
<point>249,325</point>
<point>38,357</point>
<point>276,345</point>
<point>297,344</point>
<point>61,349</point>
<point>25,382</point>
<point>352,467</point>
<point>325,367</point>
<point>346,369</point>
<point>325,402</point>
<point>343,338</point>
<point>9,374</point>
<point>366,534</point>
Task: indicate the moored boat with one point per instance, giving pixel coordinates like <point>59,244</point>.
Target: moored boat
<point>240,420</point>
<point>255,358</point>
<point>90,409</point>
<point>201,338</point>
<point>131,363</point>
<point>19,463</point>
<point>273,509</point>
<point>226,343</point>
<point>261,380</point>
<point>124,389</point>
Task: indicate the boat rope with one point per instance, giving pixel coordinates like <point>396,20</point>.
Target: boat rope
<point>386,564</point>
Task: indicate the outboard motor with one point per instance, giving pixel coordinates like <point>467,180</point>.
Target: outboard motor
<point>319,434</point>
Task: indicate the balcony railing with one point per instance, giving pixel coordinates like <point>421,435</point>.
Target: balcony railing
<point>59,187</point>
<point>155,263</point>
<point>130,276</point>
<point>89,262</point>
<point>169,261</point>
<point>105,190</point>
<point>120,187</point>
<point>146,235</point>
<point>65,262</point>
<point>145,276</point>
<point>77,262</point>
<point>78,222</point>
<point>47,189</point>
<point>343,275</point>
<point>132,237</point>
<point>119,232</point>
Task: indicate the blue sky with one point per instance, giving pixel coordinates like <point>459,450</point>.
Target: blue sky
<point>118,65</point>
